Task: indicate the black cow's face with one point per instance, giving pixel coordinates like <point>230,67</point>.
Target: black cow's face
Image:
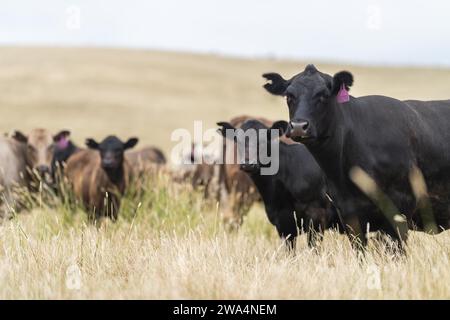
<point>111,151</point>
<point>308,96</point>
<point>254,137</point>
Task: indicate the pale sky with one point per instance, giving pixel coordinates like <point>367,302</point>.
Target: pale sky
<point>407,32</point>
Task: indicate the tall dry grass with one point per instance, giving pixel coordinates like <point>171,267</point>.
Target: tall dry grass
<point>169,243</point>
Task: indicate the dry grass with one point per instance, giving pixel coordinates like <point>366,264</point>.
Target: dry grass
<point>178,249</point>
<point>173,245</point>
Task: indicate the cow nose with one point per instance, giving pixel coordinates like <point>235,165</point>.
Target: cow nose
<point>108,162</point>
<point>301,125</point>
<point>298,128</point>
<point>42,169</point>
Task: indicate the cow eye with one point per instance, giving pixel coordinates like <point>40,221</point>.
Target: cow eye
<point>321,95</point>
<point>290,98</point>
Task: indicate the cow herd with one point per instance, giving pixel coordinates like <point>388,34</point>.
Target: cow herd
<point>357,165</point>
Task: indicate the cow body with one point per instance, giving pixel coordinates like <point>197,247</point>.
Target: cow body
<point>13,172</point>
<point>145,160</point>
<point>408,139</point>
<point>100,175</point>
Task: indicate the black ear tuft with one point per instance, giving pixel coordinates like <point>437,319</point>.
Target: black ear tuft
<point>19,136</point>
<point>91,144</point>
<point>310,68</point>
<point>224,126</point>
<point>131,143</point>
<point>277,84</point>
<point>281,126</point>
<point>340,78</point>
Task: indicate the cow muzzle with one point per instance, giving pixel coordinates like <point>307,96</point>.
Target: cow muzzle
<point>109,164</point>
<point>43,173</point>
<point>42,170</point>
<point>298,130</point>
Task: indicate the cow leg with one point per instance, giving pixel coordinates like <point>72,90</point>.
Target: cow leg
<point>317,216</point>
<point>315,237</point>
<point>287,228</point>
<point>314,232</point>
<point>356,232</point>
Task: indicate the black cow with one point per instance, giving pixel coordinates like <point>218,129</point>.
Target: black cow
<point>295,196</point>
<point>383,136</point>
<point>63,149</point>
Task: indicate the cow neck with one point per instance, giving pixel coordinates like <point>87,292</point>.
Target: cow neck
<point>329,152</point>
<point>116,176</point>
<point>264,184</point>
<point>283,162</point>
<point>72,147</point>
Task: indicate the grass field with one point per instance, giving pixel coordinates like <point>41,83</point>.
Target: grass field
<point>169,242</point>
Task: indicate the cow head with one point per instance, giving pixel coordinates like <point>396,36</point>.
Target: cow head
<point>251,137</point>
<point>308,96</point>
<point>40,146</point>
<point>63,149</point>
<point>111,151</point>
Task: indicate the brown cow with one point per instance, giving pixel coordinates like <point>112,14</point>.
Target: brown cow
<point>145,160</point>
<point>13,174</point>
<point>100,175</point>
<point>145,163</point>
<point>39,153</point>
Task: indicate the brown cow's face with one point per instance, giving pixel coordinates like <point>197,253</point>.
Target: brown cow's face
<point>39,152</point>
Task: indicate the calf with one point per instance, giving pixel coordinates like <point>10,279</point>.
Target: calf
<point>100,175</point>
<point>295,196</point>
<point>383,136</point>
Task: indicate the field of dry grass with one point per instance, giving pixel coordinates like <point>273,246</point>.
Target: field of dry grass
<point>169,242</point>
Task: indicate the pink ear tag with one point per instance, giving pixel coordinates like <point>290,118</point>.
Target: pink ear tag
<point>63,143</point>
<point>343,95</point>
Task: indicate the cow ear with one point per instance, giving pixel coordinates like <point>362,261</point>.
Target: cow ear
<point>282,127</point>
<point>223,128</point>
<point>60,135</point>
<point>92,144</point>
<point>130,143</point>
<point>342,78</point>
<point>19,136</point>
<point>276,85</point>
